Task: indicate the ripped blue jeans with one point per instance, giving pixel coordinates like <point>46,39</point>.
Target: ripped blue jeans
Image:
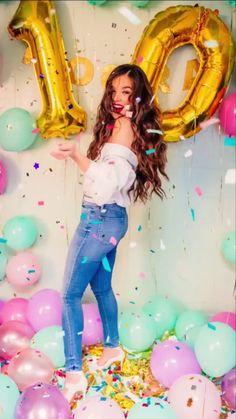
<point>90,260</point>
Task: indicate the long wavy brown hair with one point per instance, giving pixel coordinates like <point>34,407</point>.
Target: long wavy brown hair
<point>145,116</point>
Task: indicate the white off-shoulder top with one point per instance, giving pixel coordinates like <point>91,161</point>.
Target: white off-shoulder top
<point>108,179</point>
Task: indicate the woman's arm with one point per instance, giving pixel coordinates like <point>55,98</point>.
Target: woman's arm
<point>68,149</point>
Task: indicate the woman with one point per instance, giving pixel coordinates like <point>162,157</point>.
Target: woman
<point>123,164</point>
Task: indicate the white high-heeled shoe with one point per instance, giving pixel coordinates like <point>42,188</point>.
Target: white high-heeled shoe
<point>72,391</point>
<point>118,359</point>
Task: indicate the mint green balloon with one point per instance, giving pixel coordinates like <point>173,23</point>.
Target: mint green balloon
<point>152,408</point>
<point>3,261</point>
<point>20,232</point>
<point>187,321</point>
<point>137,331</point>
<point>9,395</point>
<point>164,312</point>
<point>191,336</point>
<point>16,125</point>
<point>139,3</point>
<point>229,247</point>
<point>215,348</point>
<point>50,341</point>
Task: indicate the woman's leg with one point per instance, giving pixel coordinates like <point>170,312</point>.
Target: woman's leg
<point>101,287</point>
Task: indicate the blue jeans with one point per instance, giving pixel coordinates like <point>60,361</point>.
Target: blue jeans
<point>90,260</point>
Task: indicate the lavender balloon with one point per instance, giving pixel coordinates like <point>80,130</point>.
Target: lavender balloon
<point>42,401</point>
<point>44,309</point>
<point>172,359</point>
<point>228,387</point>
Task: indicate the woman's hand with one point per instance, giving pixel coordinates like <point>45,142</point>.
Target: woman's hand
<point>64,150</point>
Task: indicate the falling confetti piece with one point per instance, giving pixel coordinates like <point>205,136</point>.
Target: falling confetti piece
<point>139,59</point>
<point>95,222</point>
<point>138,99</point>
<point>211,326</point>
<point>211,43</point>
<point>105,264</point>
<point>132,245</point>
<point>85,259</point>
<point>209,122</point>
<point>154,131</point>
<point>150,151</point>
<point>230,141</point>
<point>35,130</point>
<point>3,240</point>
<point>230,177</point>
<point>110,126</point>
<point>162,246</point>
<point>31,271</point>
<point>33,60</point>
<point>41,76</point>
<point>193,214</point>
<point>83,216</point>
<point>36,166</point>
<point>113,240</point>
<point>188,153</point>
<point>129,114</point>
<point>70,106</point>
<point>40,203</point>
<point>142,274</point>
<point>139,227</point>
<point>198,190</point>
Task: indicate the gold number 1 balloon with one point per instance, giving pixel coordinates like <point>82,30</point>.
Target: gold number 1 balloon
<point>36,23</point>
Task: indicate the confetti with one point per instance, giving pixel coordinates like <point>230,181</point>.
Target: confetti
<point>85,259</point>
<point>95,222</point>
<point>230,177</point>
<point>188,153</point>
<point>31,271</point>
<point>142,274</point>
<point>211,43</point>
<point>3,240</point>
<point>132,244</point>
<point>105,264</point>
<point>193,214</point>
<point>33,60</point>
<point>209,122</point>
<point>35,130</point>
<point>70,106</point>
<point>40,203</point>
<point>182,137</point>
<point>83,216</point>
<point>150,151</point>
<point>129,114</point>
<point>41,76</point>
<point>139,227</point>
<point>110,126</point>
<point>198,190</point>
<point>162,246</point>
<point>230,141</point>
<point>211,326</point>
<point>113,240</point>
<point>36,165</point>
<point>138,99</point>
<point>154,131</point>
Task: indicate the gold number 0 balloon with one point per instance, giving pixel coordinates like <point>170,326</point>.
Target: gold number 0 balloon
<point>201,27</point>
<point>35,22</point>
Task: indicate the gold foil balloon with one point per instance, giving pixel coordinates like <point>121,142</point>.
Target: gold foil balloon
<point>36,23</point>
<point>201,27</point>
<point>30,367</point>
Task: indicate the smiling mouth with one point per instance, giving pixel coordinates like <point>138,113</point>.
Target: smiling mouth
<point>117,108</point>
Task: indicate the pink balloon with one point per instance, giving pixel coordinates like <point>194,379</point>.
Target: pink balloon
<point>15,309</point>
<point>104,407</point>
<point>44,309</point>
<point>30,367</point>
<point>14,336</point>
<point>3,178</point>
<point>226,317</point>
<point>2,303</point>
<point>93,331</point>
<point>227,114</point>
<point>193,395</point>
<point>23,270</point>
<point>45,398</point>
<point>172,359</point>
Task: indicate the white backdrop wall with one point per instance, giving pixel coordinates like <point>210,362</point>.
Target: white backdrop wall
<point>171,255</point>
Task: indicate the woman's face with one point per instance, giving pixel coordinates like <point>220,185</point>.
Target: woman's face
<point>122,89</point>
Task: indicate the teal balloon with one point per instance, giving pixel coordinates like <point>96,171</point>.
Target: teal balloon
<point>215,348</point>
<point>188,320</point>
<point>137,331</point>
<point>164,312</point>
<point>139,3</point>
<point>9,395</point>
<point>16,125</point>
<point>20,232</point>
<point>97,2</point>
<point>229,247</point>
<point>3,261</point>
<point>152,408</point>
<point>50,341</point>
